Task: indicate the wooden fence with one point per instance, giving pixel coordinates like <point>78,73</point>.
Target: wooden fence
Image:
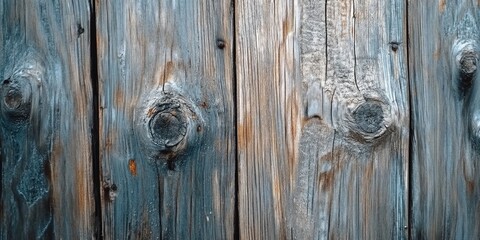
<point>239,119</point>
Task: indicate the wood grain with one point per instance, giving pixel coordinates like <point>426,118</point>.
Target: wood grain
<point>45,106</point>
<point>167,134</point>
<point>444,54</point>
<point>323,119</point>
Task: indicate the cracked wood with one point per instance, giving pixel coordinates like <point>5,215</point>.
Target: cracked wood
<point>323,119</point>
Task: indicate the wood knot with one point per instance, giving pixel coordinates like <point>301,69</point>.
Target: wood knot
<point>369,121</point>
<point>468,62</point>
<point>168,126</point>
<point>16,93</point>
<point>465,55</point>
<point>171,123</point>
<point>369,116</point>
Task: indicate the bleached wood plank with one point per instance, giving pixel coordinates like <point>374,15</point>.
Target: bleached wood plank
<point>323,125</point>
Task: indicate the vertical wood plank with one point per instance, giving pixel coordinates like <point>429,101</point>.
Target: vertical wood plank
<point>45,106</point>
<point>323,119</point>
<point>167,143</point>
<point>444,52</point>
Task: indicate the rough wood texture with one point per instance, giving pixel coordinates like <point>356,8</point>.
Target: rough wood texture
<point>167,132</point>
<point>443,57</point>
<point>45,108</point>
<point>322,119</point>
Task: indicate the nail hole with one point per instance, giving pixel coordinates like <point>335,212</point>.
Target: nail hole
<point>80,29</point>
<point>220,43</point>
<point>394,45</point>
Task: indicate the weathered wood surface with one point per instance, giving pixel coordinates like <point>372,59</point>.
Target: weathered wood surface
<point>167,135</point>
<point>443,58</point>
<point>322,99</point>
<point>46,119</point>
<point>323,119</point>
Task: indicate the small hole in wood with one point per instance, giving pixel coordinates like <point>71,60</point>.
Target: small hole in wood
<point>80,29</point>
<point>394,45</point>
<point>220,43</point>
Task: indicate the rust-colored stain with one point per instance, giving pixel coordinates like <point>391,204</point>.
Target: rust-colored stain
<point>286,27</point>
<point>292,111</point>
<point>441,5</point>
<point>168,71</point>
<point>470,186</point>
<point>204,104</point>
<point>245,132</point>
<point>82,199</point>
<point>132,166</point>
<point>326,179</point>
<point>119,97</point>
<point>150,112</point>
<point>57,152</point>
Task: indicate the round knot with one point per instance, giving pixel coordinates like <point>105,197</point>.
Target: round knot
<point>369,117</point>
<point>16,98</point>
<point>468,62</point>
<point>168,127</point>
<point>13,99</point>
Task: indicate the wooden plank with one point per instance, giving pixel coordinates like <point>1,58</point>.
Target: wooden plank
<point>46,105</point>
<point>444,52</point>
<point>167,143</point>
<point>323,119</point>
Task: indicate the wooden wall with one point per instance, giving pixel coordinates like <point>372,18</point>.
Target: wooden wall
<point>254,119</point>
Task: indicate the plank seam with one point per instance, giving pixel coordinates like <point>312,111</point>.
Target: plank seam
<point>236,221</point>
<point>95,130</point>
<point>410,129</point>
